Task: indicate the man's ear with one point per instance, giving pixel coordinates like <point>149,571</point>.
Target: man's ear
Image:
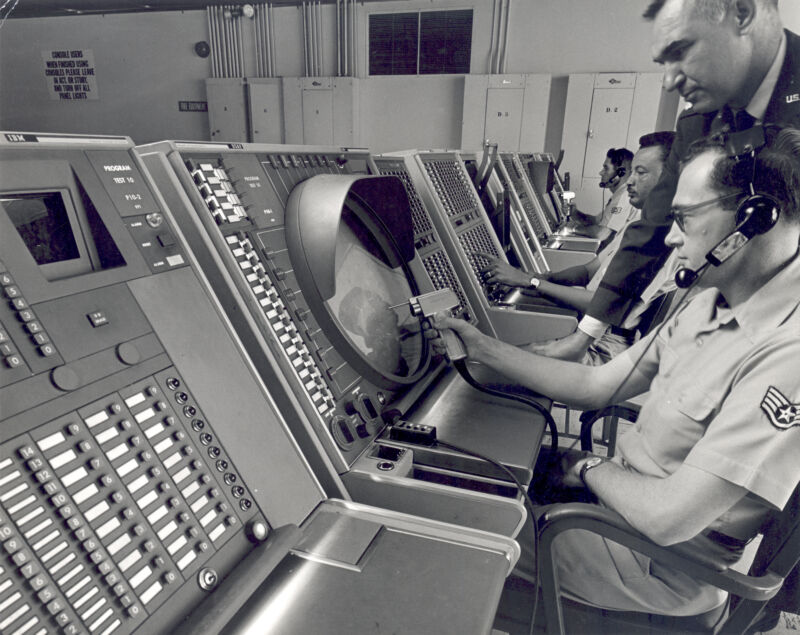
<point>745,13</point>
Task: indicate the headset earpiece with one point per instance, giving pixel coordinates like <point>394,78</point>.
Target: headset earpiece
<point>757,214</point>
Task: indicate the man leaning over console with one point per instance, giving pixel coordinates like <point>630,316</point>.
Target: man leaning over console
<point>716,444</point>
<point>734,65</point>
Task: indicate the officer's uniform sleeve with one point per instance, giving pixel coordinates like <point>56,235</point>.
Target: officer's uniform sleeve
<point>754,441</point>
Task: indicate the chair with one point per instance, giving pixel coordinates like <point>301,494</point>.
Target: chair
<point>768,585</point>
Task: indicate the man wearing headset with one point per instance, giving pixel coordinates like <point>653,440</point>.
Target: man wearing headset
<point>716,443</point>
<point>734,65</point>
<point>575,286</point>
<point>613,175</point>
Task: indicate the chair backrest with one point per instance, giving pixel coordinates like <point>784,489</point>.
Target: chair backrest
<point>779,553</point>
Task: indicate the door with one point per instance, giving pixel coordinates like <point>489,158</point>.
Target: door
<point>318,116</point>
<point>608,127</point>
<point>504,117</point>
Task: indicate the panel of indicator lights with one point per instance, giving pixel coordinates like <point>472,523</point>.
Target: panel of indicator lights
<point>106,510</point>
<point>217,191</point>
<point>280,320</point>
<point>277,314</point>
<point>320,372</point>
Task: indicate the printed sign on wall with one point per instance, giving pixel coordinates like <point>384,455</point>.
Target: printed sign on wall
<point>70,74</point>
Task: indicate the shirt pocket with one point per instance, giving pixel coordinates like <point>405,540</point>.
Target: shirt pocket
<point>695,403</point>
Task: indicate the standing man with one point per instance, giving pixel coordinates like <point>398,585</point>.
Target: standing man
<point>734,65</point>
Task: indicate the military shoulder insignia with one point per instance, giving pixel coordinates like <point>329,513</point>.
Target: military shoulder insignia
<point>781,412</point>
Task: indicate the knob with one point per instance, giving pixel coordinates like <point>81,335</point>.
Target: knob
<point>154,220</point>
<point>257,531</point>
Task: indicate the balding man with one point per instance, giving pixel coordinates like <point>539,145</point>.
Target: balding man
<point>734,64</point>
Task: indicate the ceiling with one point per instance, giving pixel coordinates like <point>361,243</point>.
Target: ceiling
<point>41,8</point>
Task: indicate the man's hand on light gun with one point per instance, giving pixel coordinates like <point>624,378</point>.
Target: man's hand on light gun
<point>429,306</point>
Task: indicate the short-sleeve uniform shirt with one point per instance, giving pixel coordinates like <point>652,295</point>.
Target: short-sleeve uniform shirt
<point>725,397</point>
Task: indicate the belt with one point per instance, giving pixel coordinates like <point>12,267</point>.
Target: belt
<point>628,334</point>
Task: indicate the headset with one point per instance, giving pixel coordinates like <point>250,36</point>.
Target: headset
<point>755,214</point>
<point>615,155</point>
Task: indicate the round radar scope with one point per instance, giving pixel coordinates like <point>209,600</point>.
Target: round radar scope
<point>350,240</point>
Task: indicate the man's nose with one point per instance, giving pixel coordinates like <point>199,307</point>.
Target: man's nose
<point>673,77</point>
<point>674,237</point>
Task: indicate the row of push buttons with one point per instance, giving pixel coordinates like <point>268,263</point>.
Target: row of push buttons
<point>281,322</point>
<point>31,326</point>
<point>128,439</point>
<point>450,182</point>
<point>217,191</point>
<point>216,519</point>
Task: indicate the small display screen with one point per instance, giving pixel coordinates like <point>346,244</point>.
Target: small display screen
<point>371,302</point>
<point>43,223</point>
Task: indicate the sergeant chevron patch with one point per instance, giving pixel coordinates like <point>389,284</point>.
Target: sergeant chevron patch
<point>781,412</point>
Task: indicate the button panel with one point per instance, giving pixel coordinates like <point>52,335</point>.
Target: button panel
<point>25,346</point>
<point>107,510</point>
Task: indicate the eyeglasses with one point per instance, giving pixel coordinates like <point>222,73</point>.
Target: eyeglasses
<point>679,215</point>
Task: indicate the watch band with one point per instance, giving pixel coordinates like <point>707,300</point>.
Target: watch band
<point>588,465</point>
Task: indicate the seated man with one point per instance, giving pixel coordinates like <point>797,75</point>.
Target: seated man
<point>613,175</point>
<point>565,286</point>
<point>716,443</point>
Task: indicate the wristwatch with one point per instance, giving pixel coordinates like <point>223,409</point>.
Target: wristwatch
<point>534,283</point>
<point>588,465</point>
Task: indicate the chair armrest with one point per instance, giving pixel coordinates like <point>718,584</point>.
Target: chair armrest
<point>590,417</point>
<point>686,556</point>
